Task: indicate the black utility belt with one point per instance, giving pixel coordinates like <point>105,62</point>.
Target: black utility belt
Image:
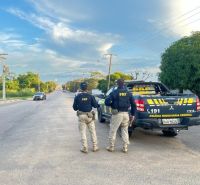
<point>116,111</point>
<point>89,114</point>
<point>81,112</point>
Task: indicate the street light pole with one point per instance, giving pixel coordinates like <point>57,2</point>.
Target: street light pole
<point>4,83</point>
<point>5,68</point>
<point>38,82</point>
<point>110,63</point>
<point>109,69</point>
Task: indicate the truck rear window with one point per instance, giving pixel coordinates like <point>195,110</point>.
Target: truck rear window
<point>146,89</point>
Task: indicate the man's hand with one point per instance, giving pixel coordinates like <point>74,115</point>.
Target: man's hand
<point>131,119</point>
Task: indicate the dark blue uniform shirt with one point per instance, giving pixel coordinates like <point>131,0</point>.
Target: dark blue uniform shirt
<point>84,102</point>
<point>112,100</point>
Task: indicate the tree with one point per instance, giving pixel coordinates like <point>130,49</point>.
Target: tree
<point>26,85</point>
<point>74,85</point>
<point>29,80</point>
<point>92,83</point>
<point>122,75</point>
<point>97,75</point>
<point>102,85</point>
<point>12,84</point>
<point>141,75</point>
<point>113,77</point>
<point>180,65</point>
<point>50,86</point>
<point>44,87</point>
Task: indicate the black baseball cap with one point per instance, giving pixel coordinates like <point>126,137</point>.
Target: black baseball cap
<point>83,86</point>
<point>120,82</point>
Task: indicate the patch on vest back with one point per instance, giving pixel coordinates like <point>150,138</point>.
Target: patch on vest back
<point>123,99</point>
<point>84,99</point>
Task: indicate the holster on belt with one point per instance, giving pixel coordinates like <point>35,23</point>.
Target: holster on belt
<point>89,114</point>
<point>93,115</point>
<point>114,111</point>
<point>78,113</point>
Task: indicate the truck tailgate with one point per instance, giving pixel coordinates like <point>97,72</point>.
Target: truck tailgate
<point>170,107</point>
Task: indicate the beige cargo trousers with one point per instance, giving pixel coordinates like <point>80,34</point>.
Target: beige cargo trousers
<point>117,120</point>
<point>84,123</point>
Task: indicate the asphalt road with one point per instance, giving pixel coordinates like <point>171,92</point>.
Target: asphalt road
<point>39,145</point>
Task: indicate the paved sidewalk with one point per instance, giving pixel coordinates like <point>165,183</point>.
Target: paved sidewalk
<point>2,102</point>
<point>9,101</point>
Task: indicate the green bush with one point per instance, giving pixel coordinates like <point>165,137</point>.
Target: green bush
<point>21,93</point>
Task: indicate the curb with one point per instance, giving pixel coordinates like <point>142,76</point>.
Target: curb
<point>3,102</point>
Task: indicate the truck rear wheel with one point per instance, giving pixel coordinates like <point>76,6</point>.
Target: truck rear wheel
<point>170,132</point>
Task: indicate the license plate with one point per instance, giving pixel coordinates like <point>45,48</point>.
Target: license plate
<point>170,121</point>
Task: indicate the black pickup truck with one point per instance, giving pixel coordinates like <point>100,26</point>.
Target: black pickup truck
<point>157,107</point>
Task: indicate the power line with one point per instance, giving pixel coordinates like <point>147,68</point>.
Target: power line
<point>175,21</point>
<point>191,22</point>
<point>165,27</point>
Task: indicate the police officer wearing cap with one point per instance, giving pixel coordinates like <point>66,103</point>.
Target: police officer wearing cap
<point>83,104</point>
<point>120,101</point>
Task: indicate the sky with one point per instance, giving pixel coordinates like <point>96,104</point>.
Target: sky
<point>64,39</point>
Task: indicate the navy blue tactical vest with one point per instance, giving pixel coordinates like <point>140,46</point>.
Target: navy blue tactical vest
<point>84,99</point>
<point>123,99</point>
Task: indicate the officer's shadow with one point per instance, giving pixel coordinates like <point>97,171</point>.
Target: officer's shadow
<point>152,139</point>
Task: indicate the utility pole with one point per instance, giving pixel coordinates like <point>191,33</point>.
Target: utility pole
<point>4,82</point>
<point>5,71</point>
<point>38,82</point>
<point>83,76</point>
<point>109,69</point>
<point>39,86</point>
<point>47,86</point>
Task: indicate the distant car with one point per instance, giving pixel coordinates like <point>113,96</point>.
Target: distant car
<point>39,96</point>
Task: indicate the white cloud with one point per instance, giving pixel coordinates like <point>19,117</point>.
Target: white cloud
<point>51,64</point>
<point>66,49</point>
<point>36,58</point>
<point>7,35</point>
<point>11,40</point>
<point>61,32</point>
<point>151,20</point>
<point>105,48</point>
<point>38,21</point>
<point>62,10</point>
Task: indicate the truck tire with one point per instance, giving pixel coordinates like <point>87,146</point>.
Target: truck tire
<point>100,116</point>
<point>170,132</point>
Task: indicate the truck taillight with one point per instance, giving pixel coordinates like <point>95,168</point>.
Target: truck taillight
<point>198,104</point>
<point>139,105</point>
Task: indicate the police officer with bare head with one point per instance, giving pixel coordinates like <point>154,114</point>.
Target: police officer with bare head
<point>120,101</point>
<point>83,104</point>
